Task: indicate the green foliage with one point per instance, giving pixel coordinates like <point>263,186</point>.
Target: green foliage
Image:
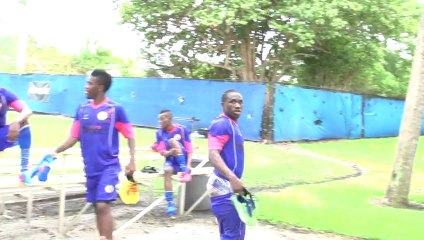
<point>337,44</point>
<point>46,59</point>
<point>357,59</point>
<point>206,71</point>
<point>89,59</point>
<point>50,60</point>
<point>8,52</point>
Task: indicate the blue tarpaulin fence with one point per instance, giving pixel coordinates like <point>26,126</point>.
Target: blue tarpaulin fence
<point>143,98</point>
<point>310,114</point>
<point>299,113</point>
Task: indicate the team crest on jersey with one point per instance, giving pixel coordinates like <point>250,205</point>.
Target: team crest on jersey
<point>177,137</point>
<point>102,115</point>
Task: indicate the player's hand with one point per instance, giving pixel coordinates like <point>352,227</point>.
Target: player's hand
<point>13,133</point>
<point>130,168</point>
<point>173,152</point>
<point>236,184</point>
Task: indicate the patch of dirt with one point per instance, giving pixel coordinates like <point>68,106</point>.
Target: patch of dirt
<point>154,225</point>
<point>410,205</point>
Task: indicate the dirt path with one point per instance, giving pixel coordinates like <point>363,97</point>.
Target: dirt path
<point>200,225</point>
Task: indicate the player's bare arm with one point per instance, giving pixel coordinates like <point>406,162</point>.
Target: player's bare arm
<point>222,168</point>
<point>14,127</point>
<point>130,168</point>
<point>23,116</point>
<point>66,145</point>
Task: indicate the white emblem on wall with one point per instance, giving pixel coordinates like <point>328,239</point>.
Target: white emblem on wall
<point>109,188</point>
<point>177,137</point>
<point>102,115</point>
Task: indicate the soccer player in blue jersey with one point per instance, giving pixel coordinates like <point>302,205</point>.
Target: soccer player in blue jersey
<point>96,126</point>
<point>226,152</point>
<point>17,132</point>
<point>173,142</point>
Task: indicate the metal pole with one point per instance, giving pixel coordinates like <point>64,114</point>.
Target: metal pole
<point>76,217</point>
<point>138,216</point>
<point>197,202</point>
<point>62,197</point>
<point>181,197</point>
<point>29,205</point>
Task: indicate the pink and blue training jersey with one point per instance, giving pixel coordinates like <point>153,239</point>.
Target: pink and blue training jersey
<point>225,135</point>
<point>179,133</point>
<point>97,127</point>
<point>8,99</point>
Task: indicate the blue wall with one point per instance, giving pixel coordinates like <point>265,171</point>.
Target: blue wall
<point>143,98</point>
<point>309,114</point>
<point>66,92</point>
<point>299,113</point>
<point>382,117</point>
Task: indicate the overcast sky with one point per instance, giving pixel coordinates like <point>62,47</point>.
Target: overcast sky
<point>67,24</point>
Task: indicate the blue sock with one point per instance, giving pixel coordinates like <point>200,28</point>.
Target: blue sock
<point>169,196</point>
<point>182,162</point>
<point>24,141</point>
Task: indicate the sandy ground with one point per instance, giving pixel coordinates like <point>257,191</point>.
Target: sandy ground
<point>154,225</point>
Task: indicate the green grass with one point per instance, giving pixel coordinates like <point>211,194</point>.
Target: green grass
<point>350,207</point>
<point>271,165</point>
<point>346,207</point>
<point>377,156</point>
<point>341,208</point>
<point>266,165</point>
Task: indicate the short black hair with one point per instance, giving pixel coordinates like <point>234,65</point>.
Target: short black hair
<point>103,77</point>
<point>166,111</point>
<point>225,95</point>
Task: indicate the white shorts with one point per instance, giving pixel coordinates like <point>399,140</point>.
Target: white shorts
<point>218,186</point>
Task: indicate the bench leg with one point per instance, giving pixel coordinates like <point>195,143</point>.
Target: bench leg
<point>151,188</point>
<point>181,198</point>
<point>29,205</point>
<point>2,205</point>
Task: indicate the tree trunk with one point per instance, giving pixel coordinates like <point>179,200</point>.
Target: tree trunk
<point>268,113</point>
<point>248,56</point>
<point>398,189</point>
